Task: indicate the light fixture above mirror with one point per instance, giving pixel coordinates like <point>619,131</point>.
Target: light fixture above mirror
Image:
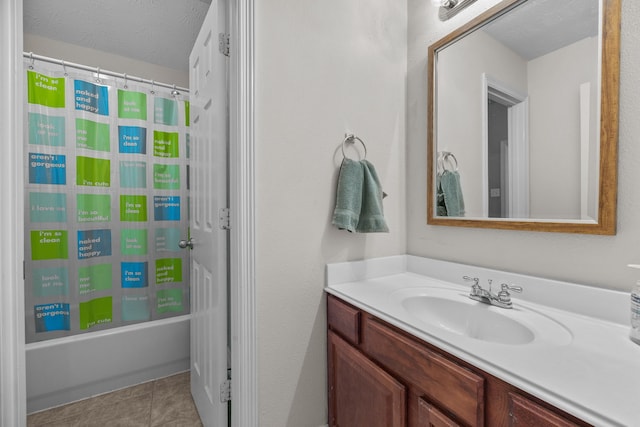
<point>449,8</point>
<point>560,100</point>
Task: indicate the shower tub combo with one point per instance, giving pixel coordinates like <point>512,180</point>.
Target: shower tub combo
<point>68,369</point>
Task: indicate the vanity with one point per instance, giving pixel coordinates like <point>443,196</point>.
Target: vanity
<point>408,347</point>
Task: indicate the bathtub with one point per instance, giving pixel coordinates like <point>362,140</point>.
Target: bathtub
<point>64,370</point>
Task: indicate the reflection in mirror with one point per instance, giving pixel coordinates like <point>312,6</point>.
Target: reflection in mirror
<point>518,100</point>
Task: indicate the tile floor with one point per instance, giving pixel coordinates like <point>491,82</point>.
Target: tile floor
<point>163,402</point>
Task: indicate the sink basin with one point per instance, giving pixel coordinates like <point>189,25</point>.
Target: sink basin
<point>475,321</point>
<point>453,312</point>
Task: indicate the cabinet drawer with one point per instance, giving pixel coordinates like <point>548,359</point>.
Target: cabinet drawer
<point>447,384</point>
<point>343,319</point>
<point>526,413</point>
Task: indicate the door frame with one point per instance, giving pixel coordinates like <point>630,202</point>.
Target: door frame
<point>518,172</point>
<point>13,404</point>
<point>242,270</point>
<point>13,396</point>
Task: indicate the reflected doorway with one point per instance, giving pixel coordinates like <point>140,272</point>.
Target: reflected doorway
<point>506,152</point>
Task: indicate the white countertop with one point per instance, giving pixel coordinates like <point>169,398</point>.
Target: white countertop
<point>594,374</point>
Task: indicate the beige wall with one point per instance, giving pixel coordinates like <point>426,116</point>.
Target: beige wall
<point>322,68</point>
<point>593,260</point>
<point>107,61</point>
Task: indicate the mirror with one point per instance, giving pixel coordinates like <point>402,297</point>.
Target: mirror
<point>523,118</point>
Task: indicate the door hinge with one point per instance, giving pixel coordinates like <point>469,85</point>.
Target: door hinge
<point>225,391</point>
<point>224,219</point>
<point>224,45</point>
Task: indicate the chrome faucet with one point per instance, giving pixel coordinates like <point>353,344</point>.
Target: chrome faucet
<point>501,299</point>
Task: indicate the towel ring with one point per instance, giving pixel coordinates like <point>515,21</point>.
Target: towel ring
<point>448,157</point>
<point>443,157</point>
<point>349,137</point>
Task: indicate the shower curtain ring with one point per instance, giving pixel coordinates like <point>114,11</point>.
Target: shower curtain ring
<point>64,67</point>
<point>175,92</point>
<point>153,91</point>
<point>98,76</point>
<point>32,60</point>
<point>125,81</point>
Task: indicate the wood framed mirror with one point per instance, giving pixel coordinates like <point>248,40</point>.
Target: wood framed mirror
<point>524,135</point>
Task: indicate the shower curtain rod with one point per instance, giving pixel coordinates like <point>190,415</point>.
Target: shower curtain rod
<point>33,57</point>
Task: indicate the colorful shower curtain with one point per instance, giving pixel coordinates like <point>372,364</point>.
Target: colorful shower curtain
<point>106,202</point>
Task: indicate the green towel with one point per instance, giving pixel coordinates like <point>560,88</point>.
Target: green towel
<point>359,198</point>
<point>349,195</point>
<point>450,200</point>
<point>371,215</point>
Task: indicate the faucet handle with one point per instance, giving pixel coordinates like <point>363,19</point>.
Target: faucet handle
<point>513,288</point>
<point>475,280</point>
<point>476,290</point>
<point>504,296</point>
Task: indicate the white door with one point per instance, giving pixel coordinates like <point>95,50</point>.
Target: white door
<point>209,255</point>
<point>518,186</point>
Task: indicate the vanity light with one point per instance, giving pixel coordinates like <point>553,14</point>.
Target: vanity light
<point>444,3</point>
<point>449,8</point>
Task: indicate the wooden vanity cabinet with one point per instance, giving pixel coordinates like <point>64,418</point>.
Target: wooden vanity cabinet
<point>379,375</point>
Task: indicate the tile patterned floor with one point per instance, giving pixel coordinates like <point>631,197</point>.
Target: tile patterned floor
<point>165,402</point>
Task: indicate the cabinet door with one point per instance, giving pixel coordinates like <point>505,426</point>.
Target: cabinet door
<point>526,413</point>
<point>429,416</point>
<point>454,388</point>
<point>360,392</point>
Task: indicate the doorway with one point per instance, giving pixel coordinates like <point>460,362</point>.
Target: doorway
<point>13,405</point>
<point>505,151</point>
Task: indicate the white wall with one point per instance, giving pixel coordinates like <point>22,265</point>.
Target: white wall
<point>107,61</point>
<point>555,147</point>
<point>322,68</point>
<point>593,260</point>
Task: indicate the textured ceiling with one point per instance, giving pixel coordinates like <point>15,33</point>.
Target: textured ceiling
<point>538,27</point>
<point>160,32</point>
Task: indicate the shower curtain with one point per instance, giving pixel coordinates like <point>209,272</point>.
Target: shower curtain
<point>106,202</point>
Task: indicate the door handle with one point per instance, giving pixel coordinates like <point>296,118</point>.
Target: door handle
<point>184,244</point>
